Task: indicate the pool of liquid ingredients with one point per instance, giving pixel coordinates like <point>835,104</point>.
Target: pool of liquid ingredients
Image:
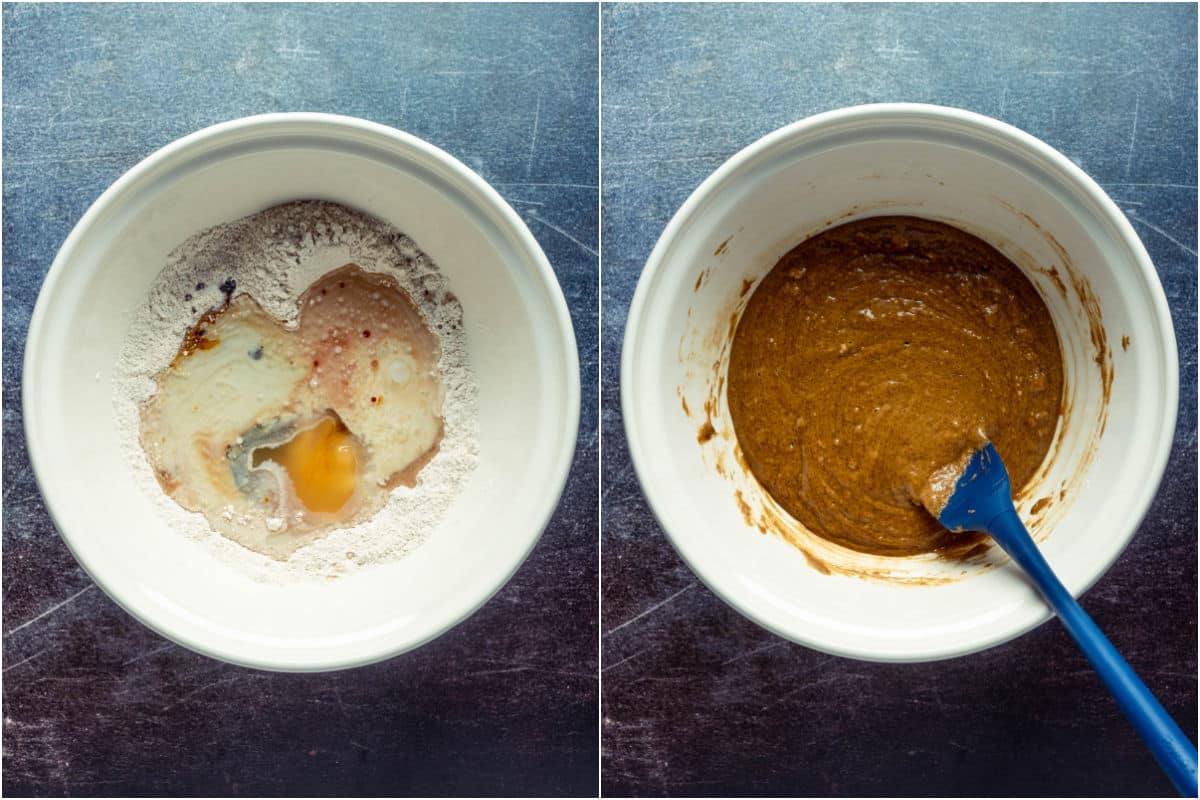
<point>276,434</point>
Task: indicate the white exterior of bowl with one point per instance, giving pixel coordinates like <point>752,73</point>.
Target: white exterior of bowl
<point>522,351</point>
<point>929,161</point>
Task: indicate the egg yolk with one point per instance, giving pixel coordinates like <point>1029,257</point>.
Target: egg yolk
<point>322,463</point>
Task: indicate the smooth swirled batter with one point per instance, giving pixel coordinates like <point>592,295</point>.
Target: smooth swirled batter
<point>873,355</point>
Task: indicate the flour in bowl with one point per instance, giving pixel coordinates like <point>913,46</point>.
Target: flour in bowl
<point>300,378</point>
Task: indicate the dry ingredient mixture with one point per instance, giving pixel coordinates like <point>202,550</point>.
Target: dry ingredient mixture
<point>875,354</point>
<point>375,472</point>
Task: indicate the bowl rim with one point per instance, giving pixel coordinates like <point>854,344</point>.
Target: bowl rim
<point>481,193</point>
<point>881,114</point>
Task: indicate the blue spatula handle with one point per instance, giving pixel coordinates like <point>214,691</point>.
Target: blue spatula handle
<point>1174,751</point>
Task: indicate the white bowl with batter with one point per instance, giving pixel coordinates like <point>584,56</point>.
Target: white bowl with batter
<point>521,350</point>
<point>992,180</point>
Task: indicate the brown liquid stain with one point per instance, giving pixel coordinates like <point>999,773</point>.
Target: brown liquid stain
<point>722,247</point>
<point>816,563</point>
<point>747,514</point>
<point>707,432</point>
<point>746,285</point>
<point>194,339</point>
<point>1056,278</point>
<point>683,402</point>
<point>703,276</point>
<point>166,480</point>
<point>1125,343</point>
<point>740,457</point>
<point>1039,506</point>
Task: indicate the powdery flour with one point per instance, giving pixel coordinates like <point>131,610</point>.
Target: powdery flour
<point>274,256</point>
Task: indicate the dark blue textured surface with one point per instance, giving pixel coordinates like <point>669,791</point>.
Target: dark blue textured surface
<point>94,702</point>
<point>697,700</point>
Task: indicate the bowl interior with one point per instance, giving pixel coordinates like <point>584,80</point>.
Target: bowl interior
<point>995,183</point>
<point>521,347</point>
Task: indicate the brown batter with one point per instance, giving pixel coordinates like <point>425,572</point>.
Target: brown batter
<point>878,352</point>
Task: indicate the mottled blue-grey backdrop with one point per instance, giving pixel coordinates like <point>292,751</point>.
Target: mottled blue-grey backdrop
<point>96,704</point>
<point>698,700</point>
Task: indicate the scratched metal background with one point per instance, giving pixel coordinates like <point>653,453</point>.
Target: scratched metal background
<point>697,700</point>
<point>96,704</point>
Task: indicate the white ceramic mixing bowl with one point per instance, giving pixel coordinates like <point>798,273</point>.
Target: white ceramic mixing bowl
<point>521,348</point>
<point>995,181</point>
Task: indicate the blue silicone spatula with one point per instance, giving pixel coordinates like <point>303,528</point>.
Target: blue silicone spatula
<point>982,501</point>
